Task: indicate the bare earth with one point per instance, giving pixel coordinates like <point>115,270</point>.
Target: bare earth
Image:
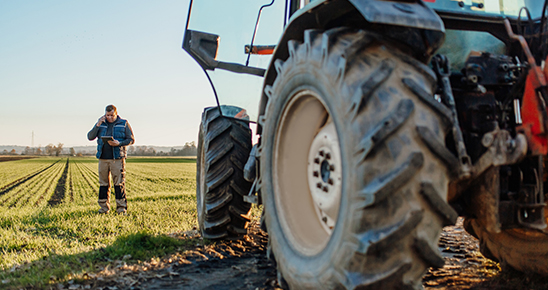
<point>242,264</point>
<point>13,158</point>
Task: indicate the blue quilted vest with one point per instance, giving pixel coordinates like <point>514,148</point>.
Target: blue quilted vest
<point>119,133</point>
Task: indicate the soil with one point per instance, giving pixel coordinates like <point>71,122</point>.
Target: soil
<point>4,158</point>
<point>59,194</point>
<point>243,264</point>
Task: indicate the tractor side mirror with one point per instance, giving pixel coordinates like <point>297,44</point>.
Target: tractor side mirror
<point>203,48</point>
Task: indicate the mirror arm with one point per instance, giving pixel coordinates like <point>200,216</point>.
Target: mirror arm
<point>238,68</point>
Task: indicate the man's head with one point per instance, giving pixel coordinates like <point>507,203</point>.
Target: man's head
<point>110,113</point>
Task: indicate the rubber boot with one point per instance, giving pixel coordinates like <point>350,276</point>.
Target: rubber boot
<point>121,201</point>
<point>104,199</point>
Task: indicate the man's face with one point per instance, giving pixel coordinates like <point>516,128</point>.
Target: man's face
<point>111,116</point>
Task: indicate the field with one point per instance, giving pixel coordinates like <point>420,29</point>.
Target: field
<point>50,230</point>
<point>51,236</point>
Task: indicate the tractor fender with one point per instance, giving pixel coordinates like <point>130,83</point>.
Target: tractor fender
<point>371,15</point>
<point>410,14</point>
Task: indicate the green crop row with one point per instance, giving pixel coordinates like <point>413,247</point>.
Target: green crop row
<point>43,242</point>
<point>14,171</point>
<point>34,191</point>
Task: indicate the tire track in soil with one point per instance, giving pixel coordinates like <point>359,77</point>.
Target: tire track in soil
<point>59,194</point>
<point>243,264</point>
<point>223,265</point>
<point>464,267</point>
<point>22,180</point>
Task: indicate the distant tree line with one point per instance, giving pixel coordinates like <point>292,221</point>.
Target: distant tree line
<point>6,152</point>
<point>50,150</point>
<point>54,150</point>
<point>189,149</point>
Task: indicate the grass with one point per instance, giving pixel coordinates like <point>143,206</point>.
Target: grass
<point>13,171</point>
<point>43,244</point>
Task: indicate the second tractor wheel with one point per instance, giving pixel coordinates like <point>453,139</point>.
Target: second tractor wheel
<point>354,194</point>
<point>525,250</point>
<point>223,148</point>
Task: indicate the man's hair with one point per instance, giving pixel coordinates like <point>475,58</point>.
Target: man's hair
<point>111,108</point>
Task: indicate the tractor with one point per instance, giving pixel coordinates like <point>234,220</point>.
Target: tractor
<point>363,127</point>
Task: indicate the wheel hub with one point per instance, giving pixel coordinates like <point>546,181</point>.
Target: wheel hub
<point>324,175</point>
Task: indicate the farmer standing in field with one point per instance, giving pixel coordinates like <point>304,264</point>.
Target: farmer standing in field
<point>113,135</point>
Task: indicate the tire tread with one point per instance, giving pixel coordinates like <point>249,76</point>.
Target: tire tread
<point>226,143</point>
<point>384,96</point>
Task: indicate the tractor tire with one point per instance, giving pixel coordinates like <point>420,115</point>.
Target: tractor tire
<point>521,249</point>
<point>223,148</point>
<point>354,171</point>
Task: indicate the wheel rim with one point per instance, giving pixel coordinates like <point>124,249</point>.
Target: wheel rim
<point>307,172</point>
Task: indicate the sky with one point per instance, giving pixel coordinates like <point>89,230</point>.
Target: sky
<point>63,62</point>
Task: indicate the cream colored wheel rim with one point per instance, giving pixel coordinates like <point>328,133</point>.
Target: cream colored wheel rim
<point>307,172</point>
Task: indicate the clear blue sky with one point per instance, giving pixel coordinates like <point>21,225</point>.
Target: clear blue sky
<point>62,62</point>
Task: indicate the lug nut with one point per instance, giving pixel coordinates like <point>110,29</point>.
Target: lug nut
<point>322,153</point>
<point>331,168</point>
<point>328,156</point>
<point>325,189</point>
<point>316,174</point>
<point>324,219</point>
<point>330,181</point>
<point>317,160</point>
<point>318,185</point>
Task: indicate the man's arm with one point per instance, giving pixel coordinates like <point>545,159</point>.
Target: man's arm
<point>129,136</point>
<point>92,134</point>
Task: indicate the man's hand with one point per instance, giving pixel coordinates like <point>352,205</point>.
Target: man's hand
<point>114,143</point>
<point>100,121</point>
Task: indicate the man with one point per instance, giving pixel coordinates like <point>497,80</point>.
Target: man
<point>112,157</point>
